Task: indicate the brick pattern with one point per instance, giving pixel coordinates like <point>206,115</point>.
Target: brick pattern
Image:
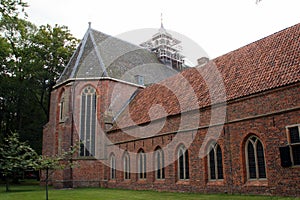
<point>244,119</point>
<point>262,65</point>
<point>263,97</point>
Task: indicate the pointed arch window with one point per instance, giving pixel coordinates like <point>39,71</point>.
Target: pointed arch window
<point>126,162</point>
<point>183,163</point>
<point>88,121</point>
<point>159,164</point>
<point>62,107</point>
<point>142,165</point>
<point>215,163</point>
<point>112,167</point>
<point>255,159</point>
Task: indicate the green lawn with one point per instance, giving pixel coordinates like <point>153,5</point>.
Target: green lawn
<point>35,192</point>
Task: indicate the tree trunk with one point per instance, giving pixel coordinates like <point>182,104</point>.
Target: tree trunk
<point>6,184</point>
<point>47,176</point>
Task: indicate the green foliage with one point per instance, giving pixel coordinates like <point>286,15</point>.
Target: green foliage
<point>51,163</point>
<point>51,50</point>
<point>12,8</point>
<point>58,161</point>
<point>15,155</point>
<point>31,60</point>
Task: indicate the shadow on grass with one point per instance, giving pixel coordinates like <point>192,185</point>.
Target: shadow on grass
<point>23,186</point>
<point>20,190</point>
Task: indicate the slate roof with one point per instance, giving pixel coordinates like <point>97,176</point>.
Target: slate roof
<point>268,63</point>
<point>101,55</point>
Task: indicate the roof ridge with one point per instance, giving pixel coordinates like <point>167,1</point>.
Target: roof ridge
<point>98,54</point>
<point>80,54</point>
<point>81,45</point>
<point>66,67</point>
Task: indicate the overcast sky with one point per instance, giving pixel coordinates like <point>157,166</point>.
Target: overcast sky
<point>218,26</point>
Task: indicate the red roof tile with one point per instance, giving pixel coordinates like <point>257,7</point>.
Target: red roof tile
<point>271,62</point>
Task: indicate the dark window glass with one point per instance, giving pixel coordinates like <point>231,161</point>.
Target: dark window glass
<point>142,165</point>
<point>296,154</point>
<point>81,149</point>
<point>212,166</point>
<point>82,127</point>
<point>215,163</point>
<point>88,122</point>
<point>181,165</point>
<point>294,134</point>
<point>285,156</point>
<point>160,170</point>
<point>88,125</point>
<point>158,167</point>
<point>219,162</point>
<point>187,173</point>
<point>260,160</point>
<point>126,167</point>
<point>93,124</point>
<point>61,111</point>
<point>145,163</point>
<point>256,161</point>
<point>113,167</point>
<point>163,171</point>
<point>251,161</point>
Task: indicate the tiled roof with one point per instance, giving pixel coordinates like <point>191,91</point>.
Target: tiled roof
<point>101,55</point>
<point>271,62</point>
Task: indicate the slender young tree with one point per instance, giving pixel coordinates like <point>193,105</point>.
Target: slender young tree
<point>50,164</point>
<point>15,156</point>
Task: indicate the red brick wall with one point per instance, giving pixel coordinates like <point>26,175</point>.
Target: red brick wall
<point>265,115</point>
<point>59,135</point>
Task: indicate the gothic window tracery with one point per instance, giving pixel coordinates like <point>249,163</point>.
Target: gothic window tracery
<point>88,121</point>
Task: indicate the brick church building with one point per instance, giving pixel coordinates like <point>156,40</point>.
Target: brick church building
<point>228,125</point>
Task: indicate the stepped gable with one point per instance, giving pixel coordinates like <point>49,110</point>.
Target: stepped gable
<point>268,63</point>
<point>100,55</point>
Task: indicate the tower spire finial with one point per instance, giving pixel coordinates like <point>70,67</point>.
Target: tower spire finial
<point>90,24</point>
<point>161,20</point>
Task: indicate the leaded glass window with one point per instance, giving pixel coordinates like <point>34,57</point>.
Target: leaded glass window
<point>142,164</point>
<point>255,159</point>
<point>183,163</point>
<point>159,164</point>
<point>294,141</point>
<point>215,163</point>
<point>112,167</point>
<point>88,121</point>
<point>126,162</point>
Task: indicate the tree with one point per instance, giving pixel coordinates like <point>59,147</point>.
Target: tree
<point>12,8</point>
<point>19,112</point>
<point>31,59</point>
<point>52,47</point>
<point>15,156</point>
<point>49,164</point>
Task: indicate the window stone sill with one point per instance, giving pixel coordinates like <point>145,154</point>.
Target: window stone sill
<point>261,182</point>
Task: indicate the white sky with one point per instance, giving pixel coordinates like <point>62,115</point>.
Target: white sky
<point>218,26</point>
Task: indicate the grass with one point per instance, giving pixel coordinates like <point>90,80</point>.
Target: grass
<point>35,192</point>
